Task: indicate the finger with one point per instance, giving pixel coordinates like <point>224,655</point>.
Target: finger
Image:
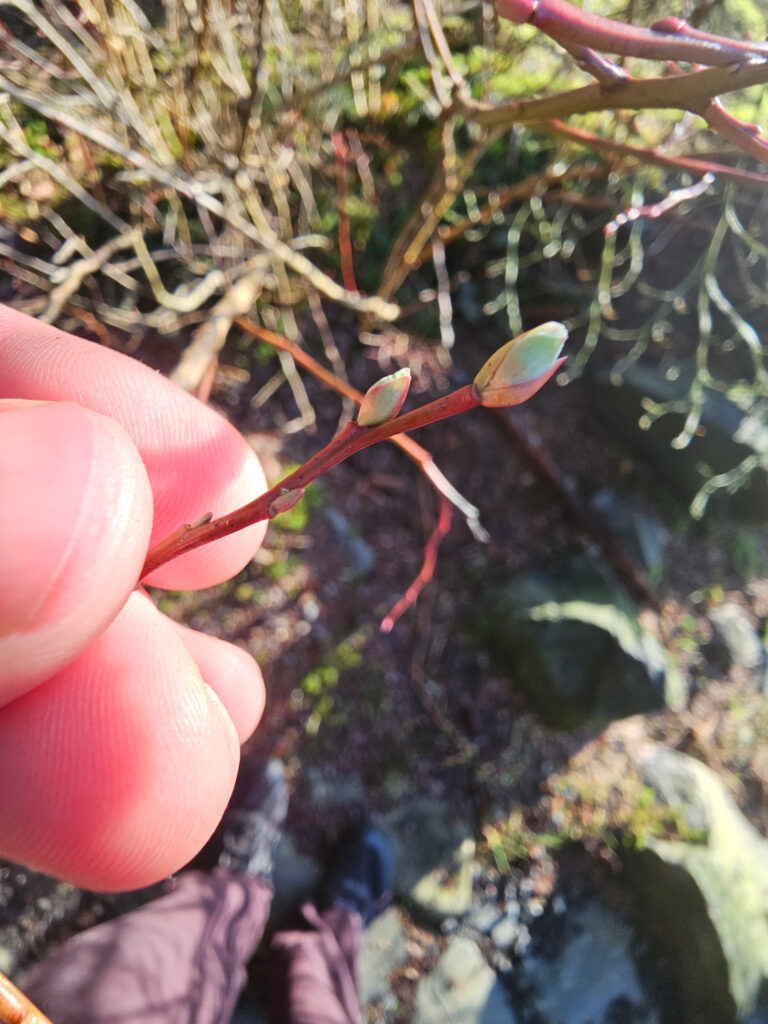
<point>126,756</point>
<point>196,461</point>
<point>75,516</point>
<point>231,673</point>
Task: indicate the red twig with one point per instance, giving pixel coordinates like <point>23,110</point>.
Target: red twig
<point>280,498</point>
<point>697,165</point>
<point>420,456</point>
<point>427,571</point>
<point>345,239</point>
<point>447,493</point>
<point>669,39</point>
<point>741,133</point>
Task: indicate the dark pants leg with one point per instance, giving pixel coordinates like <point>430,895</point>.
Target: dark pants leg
<point>313,969</point>
<point>181,960</point>
<point>178,960</point>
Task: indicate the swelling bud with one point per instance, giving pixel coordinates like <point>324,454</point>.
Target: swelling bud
<point>384,399</point>
<point>518,369</point>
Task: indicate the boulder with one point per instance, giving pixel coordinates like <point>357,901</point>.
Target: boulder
<point>735,641</point>
<point>704,903</point>
<point>462,989</point>
<point>573,643</point>
<point>591,978</point>
<point>435,848</point>
<point>384,950</point>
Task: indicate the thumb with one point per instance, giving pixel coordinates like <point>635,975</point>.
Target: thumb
<point>75,518</point>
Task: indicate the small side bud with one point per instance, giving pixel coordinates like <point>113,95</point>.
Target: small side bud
<point>285,501</point>
<point>384,399</point>
<point>518,369</point>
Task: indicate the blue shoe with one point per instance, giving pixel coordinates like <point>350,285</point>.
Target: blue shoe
<point>253,822</point>
<point>362,875</point>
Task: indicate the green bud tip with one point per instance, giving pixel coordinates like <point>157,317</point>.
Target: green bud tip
<point>518,369</point>
<point>384,399</point>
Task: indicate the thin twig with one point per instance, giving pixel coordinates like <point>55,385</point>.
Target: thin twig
<point>668,39</point>
<point>427,570</point>
<point>288,491</point>
<point>79,270</point>
<point>413,450</point>
<point>208,340</point>
<point>646,155</point>
<point>693,91</point>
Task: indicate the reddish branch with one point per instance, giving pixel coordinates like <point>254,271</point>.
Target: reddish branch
<point>352,439</point>
<point>447,493</point>
<point>427,571</point>
<point>720,65</point>
<point>420,456</point>
<point>646,155</point>
<point>692,91</point>
<point>345,237</point>
<point>668,39</point>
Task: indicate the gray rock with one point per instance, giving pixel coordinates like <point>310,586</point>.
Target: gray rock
<point>592,974</point>
<point>384,950</point>
<point>505,933</point>
<point>434,849</point>
<point>705,904</point>
<point>734,639</point>
<point>482,917</point>
<point>731,433</point>
<point>572,642</point>
<point>462,989</point>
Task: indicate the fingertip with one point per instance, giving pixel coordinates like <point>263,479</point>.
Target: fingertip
<point>75,518</point>
<point>232,674</point>
<point>126,756</point>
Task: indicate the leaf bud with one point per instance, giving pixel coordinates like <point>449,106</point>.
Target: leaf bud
<point>285,501</point>
<point>384,399</point>
<point>518,369</point>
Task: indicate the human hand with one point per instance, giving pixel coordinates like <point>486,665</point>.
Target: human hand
<point>119,730</point>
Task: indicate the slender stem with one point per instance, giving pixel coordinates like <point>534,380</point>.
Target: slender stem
<point>352,439</point>
<point>668,39</point>
<point>420,456</point>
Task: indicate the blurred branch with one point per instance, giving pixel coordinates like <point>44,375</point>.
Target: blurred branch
<point>647,155</point>
<point>668,39</point>
<point>209,339</point>
<point>693,91</point>
<point>15,1008</point>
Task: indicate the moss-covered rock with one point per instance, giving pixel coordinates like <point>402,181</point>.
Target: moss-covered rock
<point>573,643</point>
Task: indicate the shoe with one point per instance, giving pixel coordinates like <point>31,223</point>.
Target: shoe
<point>361,876</point>
<point>253,822</point>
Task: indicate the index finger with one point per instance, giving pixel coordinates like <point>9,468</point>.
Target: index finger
<point>196,461</point>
